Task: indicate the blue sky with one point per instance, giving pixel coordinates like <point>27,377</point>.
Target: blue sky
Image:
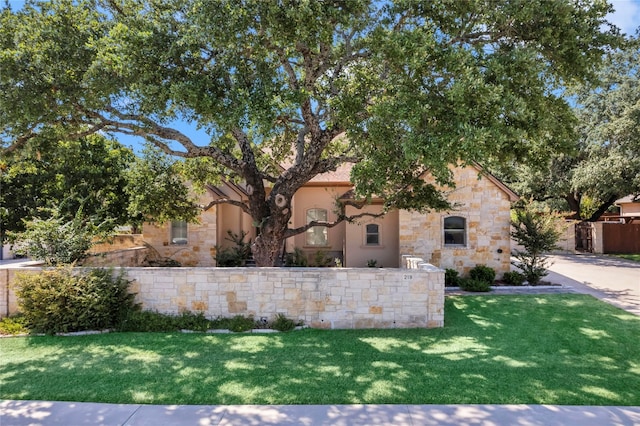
<point>626,17</point>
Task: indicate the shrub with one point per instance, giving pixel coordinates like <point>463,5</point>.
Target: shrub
<point>483,273</point>
<point>15,324</point>
<point>470,284</point>
<point>321,259</point>
<point>240,323</point>
<point>58,301</point>
<point>513,278</point>
<point>192,321</point>
<point>148,321</point>
<point>236,255</point>
<point>372,263</point>
<point>57,241</point>
<point>296,259</point>
<point>282,323</point>
<point>451,278</point>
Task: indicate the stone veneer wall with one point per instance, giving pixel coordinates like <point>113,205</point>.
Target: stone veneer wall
<point>321,297</point>
<point>200,248</point>
<point>486,210</point>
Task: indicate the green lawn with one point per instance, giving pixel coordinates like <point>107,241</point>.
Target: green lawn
<point>634,257</point>
<point>543,349</point>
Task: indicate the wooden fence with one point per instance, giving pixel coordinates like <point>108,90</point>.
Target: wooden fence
<point>621,237</point>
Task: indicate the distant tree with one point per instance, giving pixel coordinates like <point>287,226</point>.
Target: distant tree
<point>605,162</point>
<point>415,86</point>
<point>48,175</point>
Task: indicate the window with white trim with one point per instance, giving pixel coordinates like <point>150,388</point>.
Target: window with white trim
<point>317,235</point>
<point>372,234</point>
<point>179,232</point>
<point>455,231</point>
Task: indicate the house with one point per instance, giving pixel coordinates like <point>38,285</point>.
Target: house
<point>629,208</point>
<point>475,232</point>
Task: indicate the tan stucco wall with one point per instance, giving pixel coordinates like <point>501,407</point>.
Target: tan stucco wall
<point>357,253</point>
<point>630,209</point>
<point>317,197</point>
<point>486,210</point>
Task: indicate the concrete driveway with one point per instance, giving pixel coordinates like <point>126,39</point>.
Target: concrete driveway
<point>616,281</point>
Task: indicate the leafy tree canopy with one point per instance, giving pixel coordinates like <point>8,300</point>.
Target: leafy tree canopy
<point>605,164</point>
<point>414,85</point>
<point>65,176</point>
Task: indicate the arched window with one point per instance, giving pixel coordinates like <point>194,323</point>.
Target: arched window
<point>317,235</point>
<point>455,231</point>
<point>372,237</point>
<point>179,232</point>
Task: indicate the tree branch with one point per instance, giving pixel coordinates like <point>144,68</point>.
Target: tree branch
<point>219,201</point>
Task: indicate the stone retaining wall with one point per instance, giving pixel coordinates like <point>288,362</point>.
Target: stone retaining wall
<point>321,297</point>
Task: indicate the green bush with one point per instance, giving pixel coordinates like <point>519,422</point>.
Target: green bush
<point>59,301</point>
<point>15,324</point>
<point>513,278</point>
<point>149,322</point>
<point>451,278</point>
<point>483,273</point>
<point>470,284</point>
<point>296,259</point>
<point>282,323</point>
<point>239,324</point>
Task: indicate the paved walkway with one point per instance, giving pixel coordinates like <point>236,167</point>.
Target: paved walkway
<point>612,280</point>
<point>19,413</point>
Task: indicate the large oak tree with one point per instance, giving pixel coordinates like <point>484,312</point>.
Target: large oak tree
<point>414,85</point>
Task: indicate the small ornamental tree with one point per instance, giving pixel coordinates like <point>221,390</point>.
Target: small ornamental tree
<point>538,232</point>
<point>57,241</point>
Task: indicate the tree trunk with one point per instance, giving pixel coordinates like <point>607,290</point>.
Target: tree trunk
<point>603,208</point>
<point>574,204</point>
<point>272,231</point>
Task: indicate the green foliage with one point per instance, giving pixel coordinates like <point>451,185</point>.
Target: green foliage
<point>604,162</point>
<point>475,285</point>
<point>282,323</point>
<point>513,278</point>
<point>148,321</point>
<point>321,259</point>
<point>538,232</point>
<point>371,263</point>
<point>451,278</point>
<point>156,189</point>
<point>415,87</point>
<point>59,300</point>
<point>14,324</point>
<point>240,323</point>
<point>57,241</point>
<point>483,273</point>
<point>296,259</point>
<point>65,176</point>
<point>236,255</point>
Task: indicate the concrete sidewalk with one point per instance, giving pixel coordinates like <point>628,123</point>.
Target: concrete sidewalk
<point>19,413</point>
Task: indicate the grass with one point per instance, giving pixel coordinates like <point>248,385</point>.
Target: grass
<point>634,257</point>
<point>542,349</point>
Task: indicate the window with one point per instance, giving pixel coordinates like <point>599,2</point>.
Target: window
<point>317,235</point>
<point>179,232</point>
<point>372,237</point>
<point>455,231</point>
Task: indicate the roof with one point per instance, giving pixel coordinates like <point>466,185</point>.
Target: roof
<point>628,199</point>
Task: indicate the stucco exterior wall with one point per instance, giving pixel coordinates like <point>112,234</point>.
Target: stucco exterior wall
<point>323,198</point>
<point>485,208</point>
<point>630,209</point>
<point>357,252</point>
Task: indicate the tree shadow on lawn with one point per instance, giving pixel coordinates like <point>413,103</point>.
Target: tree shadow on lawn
<point>544,349</point>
